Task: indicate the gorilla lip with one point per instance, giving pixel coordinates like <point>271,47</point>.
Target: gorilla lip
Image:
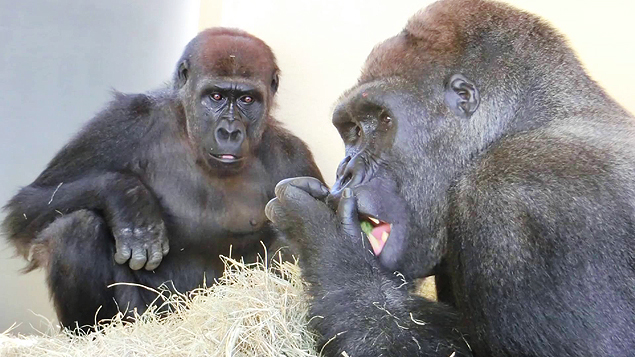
<point>226,158</point>
<point>378,235</point>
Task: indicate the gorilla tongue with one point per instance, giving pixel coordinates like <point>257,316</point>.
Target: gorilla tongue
<point>378,237</point>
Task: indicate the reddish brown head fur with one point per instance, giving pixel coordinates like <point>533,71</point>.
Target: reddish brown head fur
<point>439,33</point>
<point>226,52</point>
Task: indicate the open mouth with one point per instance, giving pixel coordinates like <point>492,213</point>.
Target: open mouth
<point>377,232</point>
<point>226,158</point>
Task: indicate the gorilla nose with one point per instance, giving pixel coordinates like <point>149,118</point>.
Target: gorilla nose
<point>350,173</point>
<point>229,138</point>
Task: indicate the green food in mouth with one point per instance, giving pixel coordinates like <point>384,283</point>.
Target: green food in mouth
<point>366,227</point>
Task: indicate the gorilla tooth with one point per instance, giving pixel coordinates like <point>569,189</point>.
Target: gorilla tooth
<point>384,237</point>
<point>374,220</point>
<point>377,247</point>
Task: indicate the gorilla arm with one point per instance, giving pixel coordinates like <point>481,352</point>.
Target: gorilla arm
<point>358,307</point>
<point>95,171</point>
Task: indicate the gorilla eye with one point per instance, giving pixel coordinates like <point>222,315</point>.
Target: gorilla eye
<point>247,99</point>
<point>216,96</point>
<point>385,118</point>
<point>358,131</point>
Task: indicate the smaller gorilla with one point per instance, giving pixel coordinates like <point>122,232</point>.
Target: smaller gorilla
<point>166,181</point>
<point>477,150</point>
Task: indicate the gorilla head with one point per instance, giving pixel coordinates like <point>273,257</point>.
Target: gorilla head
<point>226,80</point>
<point>461,75</point>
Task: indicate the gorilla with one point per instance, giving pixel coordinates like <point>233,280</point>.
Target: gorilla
<point>479,151</point>
<point>165,181</point>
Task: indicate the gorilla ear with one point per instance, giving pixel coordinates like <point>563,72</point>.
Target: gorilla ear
<point>461,96</point>
<point>182,73</point>
<point>275,81</point>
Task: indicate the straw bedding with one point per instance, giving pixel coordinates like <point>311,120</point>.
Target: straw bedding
<point>255,310</point>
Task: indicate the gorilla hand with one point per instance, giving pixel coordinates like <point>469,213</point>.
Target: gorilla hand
<point>300,212</point>
<point>138,228</point>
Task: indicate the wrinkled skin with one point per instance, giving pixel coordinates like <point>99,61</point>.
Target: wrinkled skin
<point>157,186</point>
<point>501,168</point>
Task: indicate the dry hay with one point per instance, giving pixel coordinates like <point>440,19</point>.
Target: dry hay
<point>254,311</point>
<point>427,288</point>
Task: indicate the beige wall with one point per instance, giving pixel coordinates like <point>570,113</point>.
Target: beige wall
<point>321,45</point>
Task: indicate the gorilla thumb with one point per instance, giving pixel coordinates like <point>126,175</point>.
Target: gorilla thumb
<point>347,213</point>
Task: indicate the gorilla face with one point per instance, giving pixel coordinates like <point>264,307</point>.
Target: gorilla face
<point>226,89</point>
<point>229,115</point>
<point>369,123</point>
<point>225,117</point>
<point>395,133</point>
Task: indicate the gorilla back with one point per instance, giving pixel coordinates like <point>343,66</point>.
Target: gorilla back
<point>486,156</point>
<point>166,181</point>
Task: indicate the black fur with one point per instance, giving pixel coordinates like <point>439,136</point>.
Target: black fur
<point>515,186</point>
<point>141,179</point>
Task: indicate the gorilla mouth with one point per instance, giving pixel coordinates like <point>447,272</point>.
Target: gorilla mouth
<point>226,158</point>
<point>377,232</point>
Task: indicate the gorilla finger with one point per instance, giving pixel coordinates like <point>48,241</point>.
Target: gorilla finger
<point>163,242</point>
<point>138,259</point>
<point>155,255</point>
<point>122,253</point>
<point>347,213</point>
<point>311,185</point>
<point>165,247</point>
<point>299,202</point>
<point>274,211</point>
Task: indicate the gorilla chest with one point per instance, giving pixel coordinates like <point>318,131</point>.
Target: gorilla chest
<point>239,207</point>
<point>203,207</point>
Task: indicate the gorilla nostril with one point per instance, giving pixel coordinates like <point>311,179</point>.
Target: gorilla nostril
<point>346,180</point>
<point>235,135</point>
<point>342,167</point>
<point>222,134</point>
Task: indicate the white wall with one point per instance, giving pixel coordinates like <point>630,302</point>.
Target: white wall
<point>59,61</point>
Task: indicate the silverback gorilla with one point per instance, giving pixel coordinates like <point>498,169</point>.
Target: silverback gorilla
<point>164,181</point>
<point>480,151</point>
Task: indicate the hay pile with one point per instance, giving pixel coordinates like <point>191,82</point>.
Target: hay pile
<point>254,311</point>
